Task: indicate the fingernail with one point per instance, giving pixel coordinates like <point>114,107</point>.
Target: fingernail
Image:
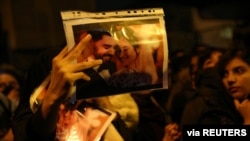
<point>87,78</point>
<point>88,37</point>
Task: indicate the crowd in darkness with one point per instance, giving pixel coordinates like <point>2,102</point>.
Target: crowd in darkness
<point>208,86</point>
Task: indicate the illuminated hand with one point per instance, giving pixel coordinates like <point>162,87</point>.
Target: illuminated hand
<point>213,60</point>
<point>65,72</point>
<point>172,132</point>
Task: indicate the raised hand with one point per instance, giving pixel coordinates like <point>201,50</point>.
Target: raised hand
<point>172,132</point>
<point>65,71</point>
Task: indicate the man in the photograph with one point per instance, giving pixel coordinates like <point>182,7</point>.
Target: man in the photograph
<point>101,47</point>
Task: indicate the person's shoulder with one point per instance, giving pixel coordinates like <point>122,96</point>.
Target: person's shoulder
<point>196,101</point>
<point>193,110</point>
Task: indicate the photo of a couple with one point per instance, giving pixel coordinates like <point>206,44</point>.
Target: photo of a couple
<point>134,54</point>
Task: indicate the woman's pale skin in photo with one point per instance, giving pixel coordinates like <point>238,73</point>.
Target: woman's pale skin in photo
<point>139,59</point>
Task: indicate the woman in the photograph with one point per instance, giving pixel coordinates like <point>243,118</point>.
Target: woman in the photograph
<point>131,55</point>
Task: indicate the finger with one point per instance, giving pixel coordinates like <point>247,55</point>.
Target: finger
<point>62,53</point>
<point>73,77</point>
<point>237,103</point>
<point>174,132</point>
<point>76,51</point>
<point>168,127</point>
<point>84,65</point>
<point>244,102</point>
<point>58,60</point>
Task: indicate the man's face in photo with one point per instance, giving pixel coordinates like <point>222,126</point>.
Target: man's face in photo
<point>104,48</point>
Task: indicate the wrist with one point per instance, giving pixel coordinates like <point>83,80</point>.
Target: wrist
<point>50,104</point>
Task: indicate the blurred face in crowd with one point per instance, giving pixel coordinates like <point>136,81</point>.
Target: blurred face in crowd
<point>9,86</point>
<point>104,48</point>
<point>127,54</point>
<point>236,78</point>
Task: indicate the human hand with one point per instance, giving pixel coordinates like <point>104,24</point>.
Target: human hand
<point>209,63</point>
<point>243,108</point>
<point>64,72</point>
<point>213,60</point>
<point>172,132</point>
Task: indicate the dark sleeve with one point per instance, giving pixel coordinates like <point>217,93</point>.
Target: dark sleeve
<point>208,86</point>
<point>21,124</point>
<point>192,111</point>
<point>209,78</point>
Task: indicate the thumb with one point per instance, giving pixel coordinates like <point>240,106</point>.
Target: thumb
<point>236,103</point>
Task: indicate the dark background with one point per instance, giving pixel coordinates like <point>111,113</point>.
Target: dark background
<point>29,26</point>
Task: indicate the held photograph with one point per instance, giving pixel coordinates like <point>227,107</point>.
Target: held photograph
<point>78,120</point>
<point>82,122</point>
<point>134,51</point>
